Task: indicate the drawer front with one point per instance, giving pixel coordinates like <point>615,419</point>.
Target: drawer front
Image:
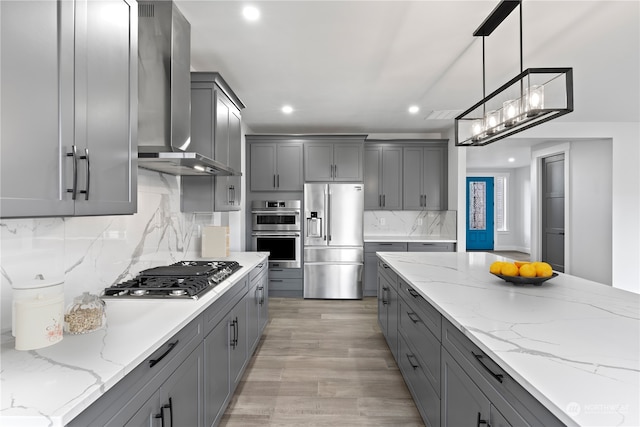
<point>425,345</point>
<point>428,314</point>
<point>385,247</point>
<point>509,397</point>
<point>431,247</point>
<point>285,273</point>
<point>425,397</point>
<point>285,284</point>
<point>388,274</point>
<point>258,270</point>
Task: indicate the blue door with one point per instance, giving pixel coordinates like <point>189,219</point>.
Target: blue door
<point>480,213</point>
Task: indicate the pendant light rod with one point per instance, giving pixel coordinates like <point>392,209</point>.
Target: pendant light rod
<point>496,17</point>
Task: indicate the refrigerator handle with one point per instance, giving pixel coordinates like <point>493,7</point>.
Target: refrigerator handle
<point>328,214</point>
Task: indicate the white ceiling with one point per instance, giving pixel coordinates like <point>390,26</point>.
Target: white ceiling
<point>356,66</point>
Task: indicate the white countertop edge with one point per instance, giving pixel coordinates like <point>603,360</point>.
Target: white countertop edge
<point>77,404</point>
<point>408,239</point>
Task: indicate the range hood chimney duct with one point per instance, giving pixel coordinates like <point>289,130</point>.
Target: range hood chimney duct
<point>164,94</point>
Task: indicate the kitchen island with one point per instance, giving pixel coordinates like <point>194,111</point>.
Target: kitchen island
<point>572,344</point>
<point>53,385</point>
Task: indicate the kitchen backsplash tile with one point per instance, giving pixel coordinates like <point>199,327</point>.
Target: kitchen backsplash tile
<point>91,253</point>
<point>440,224</point>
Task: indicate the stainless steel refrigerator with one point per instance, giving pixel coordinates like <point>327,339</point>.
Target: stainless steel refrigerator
<point>333,241</point>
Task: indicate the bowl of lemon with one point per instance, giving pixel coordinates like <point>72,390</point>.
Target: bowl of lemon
<point>523,273</point>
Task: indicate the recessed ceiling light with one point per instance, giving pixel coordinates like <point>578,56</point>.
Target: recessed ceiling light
<point>287,109</point>
<point>511,160</point>
<point>414,109</point>
<point>251,13</point>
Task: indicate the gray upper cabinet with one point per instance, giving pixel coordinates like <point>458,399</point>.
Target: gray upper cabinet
<point>216,132</point>
<point>331,160</point>
<point>424,178</point>
<point>275,166</point>
<point>382,177</point>
<point>69,108</point>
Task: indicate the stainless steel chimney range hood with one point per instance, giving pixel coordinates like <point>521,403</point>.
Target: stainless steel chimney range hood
<point>164,94</point>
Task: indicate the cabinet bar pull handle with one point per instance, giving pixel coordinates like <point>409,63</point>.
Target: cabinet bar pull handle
<point>161,416</point>
<point>417,318</point>
<point>261,289</point>
<point>274,181</point>
<point>380,200</point>
<point>481,421</point>
<point>413,292</point>
<point>411,356</point>
<point>384,200</point>
<point>479,358</point>
<point>384,291</point>
<point>86,157</point>
<point>170,407</point>
<point>74,188</point>
<point>154,362</point>
<point>278,179</point>
<point>335,171</point>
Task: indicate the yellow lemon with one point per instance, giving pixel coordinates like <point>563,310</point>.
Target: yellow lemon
<point>527,270</point>
<point>544,270</point>
<point>496,267</point>
<point>509,269</point>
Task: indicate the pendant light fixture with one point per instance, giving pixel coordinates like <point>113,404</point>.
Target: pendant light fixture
<point>534,96</point>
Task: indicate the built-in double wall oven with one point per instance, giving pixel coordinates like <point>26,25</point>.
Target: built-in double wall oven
<point>276,229</point>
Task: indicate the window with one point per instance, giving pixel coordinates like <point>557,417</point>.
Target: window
<point>500,188</point>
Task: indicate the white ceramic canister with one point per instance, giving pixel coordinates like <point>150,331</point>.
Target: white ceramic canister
<point>38,316</point>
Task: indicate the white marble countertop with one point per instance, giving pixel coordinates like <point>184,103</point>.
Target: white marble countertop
<point>51,386</point>
<point>407,239</point>
<point>572,343</point>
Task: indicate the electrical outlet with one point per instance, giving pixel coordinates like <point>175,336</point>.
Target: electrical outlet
<point>383,221</point>
<point>419,221</point>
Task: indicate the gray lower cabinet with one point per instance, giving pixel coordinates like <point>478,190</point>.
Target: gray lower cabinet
<point>216,132</point>
<point>285,282</point>
<point>370,281</point>
<point>68,119</point>
<point>225,353</point>
<point>174,372</point>
<point>257,304</point>
<point>452,381</point>
<point>179,401</point>
<point>189,381</point>
<point>463,403</point>
<point>382,177</point>
<point>388,306</point>
<point>425,178</point>
<point>370,286</point>
<point>338,158</point>
<point>274,165</point>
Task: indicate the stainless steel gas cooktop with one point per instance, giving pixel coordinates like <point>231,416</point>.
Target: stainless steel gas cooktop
<point>184,279</point>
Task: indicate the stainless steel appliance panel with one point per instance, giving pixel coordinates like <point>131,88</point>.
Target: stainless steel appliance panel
<point>346,210</point>
<point>285,248</point>
<point>276,215</point>
<point>333,243</point>
<point>332,280</point>
<point>315,202</point>
<point>346,254</point>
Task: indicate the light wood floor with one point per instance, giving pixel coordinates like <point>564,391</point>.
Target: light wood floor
<point>322,363</point>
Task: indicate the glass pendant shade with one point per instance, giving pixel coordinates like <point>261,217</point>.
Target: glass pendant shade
<point>533,100</point>
<point>511,111</point>
<point>493,122</point>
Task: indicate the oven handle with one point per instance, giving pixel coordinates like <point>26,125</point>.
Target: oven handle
<point>271,234</point>
<point>295,212</point>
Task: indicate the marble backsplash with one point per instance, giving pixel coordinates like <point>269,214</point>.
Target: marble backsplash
<point>441,224</point>
<point>91,253</point>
